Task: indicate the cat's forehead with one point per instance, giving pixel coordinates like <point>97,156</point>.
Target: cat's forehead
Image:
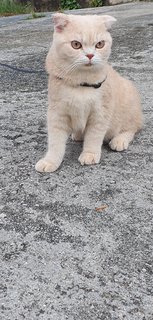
<point>87,22</point>
<point>85,33</point>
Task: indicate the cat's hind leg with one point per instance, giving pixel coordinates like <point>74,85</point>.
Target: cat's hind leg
<point>121,141</point>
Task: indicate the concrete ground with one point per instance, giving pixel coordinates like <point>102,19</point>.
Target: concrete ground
<point>60,257</point>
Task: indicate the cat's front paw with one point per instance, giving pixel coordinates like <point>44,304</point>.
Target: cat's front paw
<point>89,158</point>
<point>118,144</point>
<point>44,165</point>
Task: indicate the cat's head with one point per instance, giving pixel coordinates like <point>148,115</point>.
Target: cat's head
<point>81,43</point>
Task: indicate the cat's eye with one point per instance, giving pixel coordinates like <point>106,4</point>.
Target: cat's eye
<point>100,44</point>
<point>76,44</point>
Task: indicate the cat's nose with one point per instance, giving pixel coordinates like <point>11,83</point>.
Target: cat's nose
<point>90,56</point>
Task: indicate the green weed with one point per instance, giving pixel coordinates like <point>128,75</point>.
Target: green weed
<point>35,15</point>
<point>10,7</point>
<point>96,3</point>
<point>69,4</point>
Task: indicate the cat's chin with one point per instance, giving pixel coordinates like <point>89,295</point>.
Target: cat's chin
<point>90,67</point>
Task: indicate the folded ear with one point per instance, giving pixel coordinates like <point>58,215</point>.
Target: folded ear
<point>60,21</point>
<point>108,21</point>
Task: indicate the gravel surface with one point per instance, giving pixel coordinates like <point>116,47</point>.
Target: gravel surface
<point>61,259</point>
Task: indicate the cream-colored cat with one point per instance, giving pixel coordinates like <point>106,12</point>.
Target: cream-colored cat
<point>87,98</point>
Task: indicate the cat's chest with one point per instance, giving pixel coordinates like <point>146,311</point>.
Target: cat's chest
<point>81,99</point>
<point>80,103</point>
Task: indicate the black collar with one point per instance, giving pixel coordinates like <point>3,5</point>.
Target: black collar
<point>96,85</point>
<point>85,84</point>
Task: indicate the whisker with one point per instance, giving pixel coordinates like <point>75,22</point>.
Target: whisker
<point>69,69</point>
<point>66,70</point>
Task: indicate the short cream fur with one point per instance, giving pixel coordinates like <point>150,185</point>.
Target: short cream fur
<point>111,112</point>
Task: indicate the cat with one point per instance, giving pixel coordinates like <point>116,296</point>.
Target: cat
<point>87,97</point>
